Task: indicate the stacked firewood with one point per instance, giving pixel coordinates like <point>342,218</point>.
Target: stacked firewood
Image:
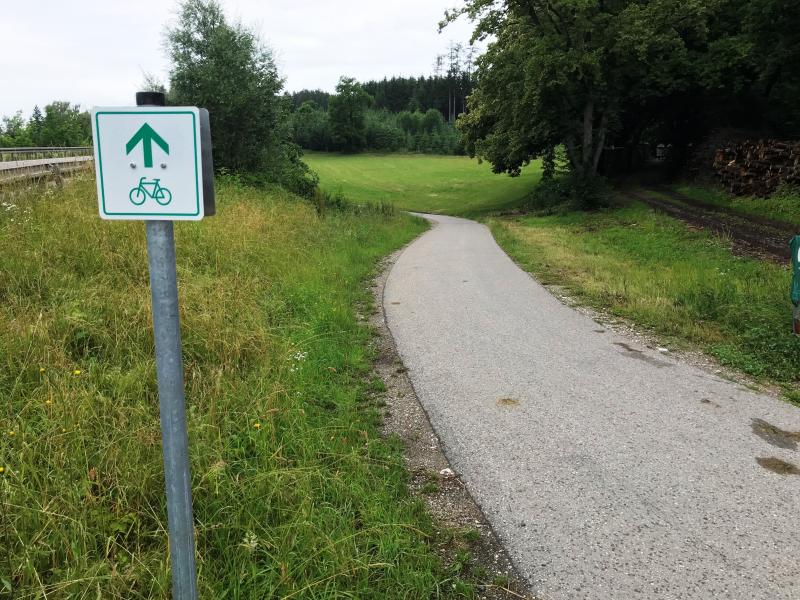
<point>757,168</point>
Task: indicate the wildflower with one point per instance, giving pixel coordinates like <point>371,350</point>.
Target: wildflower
<point>256,425</point>
<point>12,433</point>
<point>250,541</point>
<point>2,470</point>
<point>48,402</point>
<point>63,430</point>
<point>76,372</point>
<point>41,369</point>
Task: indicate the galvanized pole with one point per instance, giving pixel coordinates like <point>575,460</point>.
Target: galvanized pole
<point>169,368</point>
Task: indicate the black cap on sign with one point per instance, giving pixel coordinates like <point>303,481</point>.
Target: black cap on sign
<point>150,99</point>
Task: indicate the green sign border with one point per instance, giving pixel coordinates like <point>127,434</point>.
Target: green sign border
<point>100,160</point>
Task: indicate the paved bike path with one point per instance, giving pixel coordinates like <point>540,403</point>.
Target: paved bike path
<point>607,469</point>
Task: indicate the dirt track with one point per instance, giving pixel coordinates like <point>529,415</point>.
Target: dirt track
<point>751,235</point>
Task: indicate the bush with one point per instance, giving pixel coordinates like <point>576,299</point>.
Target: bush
<point>381,131</point>
<point>228,70</point>
<point>570,191</point>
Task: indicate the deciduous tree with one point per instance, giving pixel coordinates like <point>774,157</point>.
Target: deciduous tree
<point>563,71</point>
<point>346,111</point>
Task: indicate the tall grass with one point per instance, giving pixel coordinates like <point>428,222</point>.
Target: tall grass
<point>295,494</point>
<point>682,284</point>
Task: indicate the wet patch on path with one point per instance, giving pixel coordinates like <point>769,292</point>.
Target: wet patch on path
<point>775,436</point>
<point>776,465</point>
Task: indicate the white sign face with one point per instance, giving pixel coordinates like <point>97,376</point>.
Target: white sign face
<point>148,163</point>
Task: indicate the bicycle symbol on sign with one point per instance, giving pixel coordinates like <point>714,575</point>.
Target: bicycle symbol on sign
<point>152,189</point>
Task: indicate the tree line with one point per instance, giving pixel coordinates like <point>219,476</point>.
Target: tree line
<point>581,76</point>
<point>446,90</point>
<point>60,124</point>
<point>350,122</point>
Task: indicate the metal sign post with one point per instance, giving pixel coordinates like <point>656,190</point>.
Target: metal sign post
<point>169,368</point>
<point>176,186</point>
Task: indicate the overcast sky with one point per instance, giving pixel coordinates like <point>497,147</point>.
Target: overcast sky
<point>95,52</point>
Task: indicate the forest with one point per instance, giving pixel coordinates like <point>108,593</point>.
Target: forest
<point>409,114</point>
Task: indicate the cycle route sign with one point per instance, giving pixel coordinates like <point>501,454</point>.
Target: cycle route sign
<point>149,163</point>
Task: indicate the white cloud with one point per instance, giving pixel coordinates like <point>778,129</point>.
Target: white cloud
<point>95,52</point>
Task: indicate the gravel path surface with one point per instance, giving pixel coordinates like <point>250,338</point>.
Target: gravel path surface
<point>608,470</point>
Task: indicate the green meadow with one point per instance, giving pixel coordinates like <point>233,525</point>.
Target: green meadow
<point>452,185</point>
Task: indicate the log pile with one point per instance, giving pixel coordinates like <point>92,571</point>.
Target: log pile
<point>757,168</point>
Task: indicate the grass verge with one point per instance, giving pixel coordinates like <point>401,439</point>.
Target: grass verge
<point>681,284</point>
<point>784,205</point>
<point>453,185</point>
<point>295,493</point>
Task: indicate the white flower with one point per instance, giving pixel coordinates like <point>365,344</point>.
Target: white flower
<point>250,542</point>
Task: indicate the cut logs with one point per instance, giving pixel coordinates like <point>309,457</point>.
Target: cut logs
<point>757,168</point>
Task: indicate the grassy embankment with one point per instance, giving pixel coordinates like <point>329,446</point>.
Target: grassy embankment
<point>296,495</point>
<point>683,285</point>
<point>452,185</point>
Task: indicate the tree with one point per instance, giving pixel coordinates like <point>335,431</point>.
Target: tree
<point>226,69</point>
<point>346,111</point>
<point>64,124</point>
<point>563,72</point>
<point>311,127</point>
<point>36,126</point>
<point>13,132</point>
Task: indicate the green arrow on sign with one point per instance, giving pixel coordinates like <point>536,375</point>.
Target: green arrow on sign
<point>147,136</point>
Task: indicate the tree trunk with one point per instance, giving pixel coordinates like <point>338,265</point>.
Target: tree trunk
<point>588,131</point>
<point>601,141</point>
<point>572,154</point>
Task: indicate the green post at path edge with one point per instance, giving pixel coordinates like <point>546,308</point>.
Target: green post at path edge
<point>795,246</point>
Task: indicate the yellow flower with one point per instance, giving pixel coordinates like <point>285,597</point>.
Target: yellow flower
<point>2,470</point>
<point>76,372</point>
<point>12,433</point>
<point>48,402</point>
<point>41,369</point>
<point>257,425</point>
<point>63,430</point>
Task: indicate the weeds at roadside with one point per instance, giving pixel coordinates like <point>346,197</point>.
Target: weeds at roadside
<point>295,493</point>
<point>680,284</point>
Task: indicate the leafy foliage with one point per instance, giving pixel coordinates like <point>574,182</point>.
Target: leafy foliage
<point>596,73</point>
<point>226,69</point>
<point>347,115</point>
<point>61,124</point>
<point>382,131</point>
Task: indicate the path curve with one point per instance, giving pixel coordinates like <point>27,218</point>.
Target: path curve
<point>607,469</point>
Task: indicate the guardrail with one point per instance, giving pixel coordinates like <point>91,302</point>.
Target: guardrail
<point>17,154</point>
<point>12,171</point>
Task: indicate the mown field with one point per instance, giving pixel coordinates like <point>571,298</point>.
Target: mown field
<point>685,286</point>
<point>452,185</point>
<point>295,493</point>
